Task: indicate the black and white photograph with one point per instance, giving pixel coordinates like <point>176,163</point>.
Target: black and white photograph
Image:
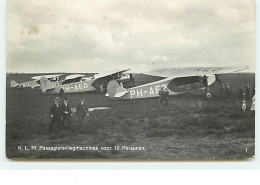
<point>124,80</point>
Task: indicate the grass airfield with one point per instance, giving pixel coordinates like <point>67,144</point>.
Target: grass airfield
<point>190,128</point>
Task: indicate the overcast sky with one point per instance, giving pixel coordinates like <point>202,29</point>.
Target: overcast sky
<point>97,36</point>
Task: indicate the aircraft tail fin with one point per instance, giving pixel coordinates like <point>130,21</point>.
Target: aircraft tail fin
<point>114,90</point>
<point>34,84</point>
<point>46,84</point>
<point>14,84</point>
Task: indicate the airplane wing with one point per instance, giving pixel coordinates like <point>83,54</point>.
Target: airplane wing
<point>194,71</point>
<point>106,76</point>
<point>46,76</point>
<point>101,75</point>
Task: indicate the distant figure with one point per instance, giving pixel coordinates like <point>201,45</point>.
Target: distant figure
<point>228,90</point>
<point>161,95</point>
<point>55,113</point>
<point>131,77</point>
<point>222,91</point>
<point>167,94</point>
<point>241,93</point>
<point>248,94</point>
<point>133,80</point>
<point>244,105</point>
<point>253,103</point>
<point>101,87</point>
<point>81,111</point>
<point>218,79</point>
<point>66,112</point>
<point>61,93</point>
<point>205,81</point>
<point>121,84</point>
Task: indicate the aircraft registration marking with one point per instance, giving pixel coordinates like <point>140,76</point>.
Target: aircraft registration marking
<point>76,87</point>
<point>149,91</point>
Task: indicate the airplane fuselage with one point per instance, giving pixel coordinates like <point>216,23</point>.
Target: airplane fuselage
<point>83,86</point>
<point>174,86</point>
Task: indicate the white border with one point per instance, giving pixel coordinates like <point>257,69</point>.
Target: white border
<point>70,165</point>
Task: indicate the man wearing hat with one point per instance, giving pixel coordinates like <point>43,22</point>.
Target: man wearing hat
<point>55,113</point>
<point>66,112</point>
<point>81,112</point>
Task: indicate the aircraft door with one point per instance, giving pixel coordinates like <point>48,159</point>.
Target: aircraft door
<point>186,84</point>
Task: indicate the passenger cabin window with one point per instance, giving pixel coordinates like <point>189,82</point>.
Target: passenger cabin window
<point>74,80</point>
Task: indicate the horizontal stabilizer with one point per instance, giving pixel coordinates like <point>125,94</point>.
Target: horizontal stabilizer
<point>34,84</point>
<point>114,90</point>
<point>120,94</point>
<point>46,84</point>
<point>14,84</point>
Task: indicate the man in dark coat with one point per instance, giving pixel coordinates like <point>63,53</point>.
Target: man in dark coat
<point>55,113</point>
<point>222,91</point>
<point>228,90</point>
<point>161,95</point>
<point>81,112</point>
<point>66,112</point>
<point>205,81</point>
<point>167,94</point>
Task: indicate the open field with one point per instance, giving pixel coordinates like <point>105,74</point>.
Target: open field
<point>191,127</point>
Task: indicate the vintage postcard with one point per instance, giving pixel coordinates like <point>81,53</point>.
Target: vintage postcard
<point>130,80</point>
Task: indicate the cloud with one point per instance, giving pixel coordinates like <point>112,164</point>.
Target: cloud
<point>95,36</point>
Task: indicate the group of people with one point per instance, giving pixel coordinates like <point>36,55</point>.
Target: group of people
<point>164,96</point>
<point>245,93</point>
<point>247,97</point>
<point>60,113</point>
<point>225,90</point>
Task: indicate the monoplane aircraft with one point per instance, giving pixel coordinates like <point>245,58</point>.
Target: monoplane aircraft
<point>79,83</point>
<point>177,81</point>
<point>35,82</point>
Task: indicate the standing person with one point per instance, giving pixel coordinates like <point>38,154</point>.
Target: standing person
<point>61,93</point>
<point>205,81</point>
<point>81,111</point>
<point>222,91</point>
<point>121,84</point>
<point>218,79</point>
<point>161,95</point>
<point>131,79</point>
<point>248,94</point>
<point>244,105</point>
<point>253,91</point>
<point>66,112</point>
<point>253,103</point>
<point>55,113</point>
<point>101,87</point>
<point>228,90</point>
<point>241,93</point>
<point>167,94</point>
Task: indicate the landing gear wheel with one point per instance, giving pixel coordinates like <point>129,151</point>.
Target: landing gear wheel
<point>208,95</point>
